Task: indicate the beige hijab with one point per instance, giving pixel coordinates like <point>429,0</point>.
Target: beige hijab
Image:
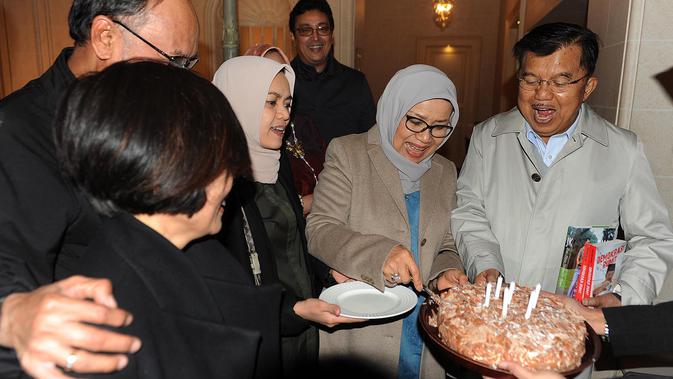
<point>245,81</point>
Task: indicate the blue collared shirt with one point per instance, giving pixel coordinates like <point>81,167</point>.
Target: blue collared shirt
<point>554,145</point>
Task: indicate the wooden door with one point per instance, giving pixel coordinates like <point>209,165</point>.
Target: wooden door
<point>460,59</point>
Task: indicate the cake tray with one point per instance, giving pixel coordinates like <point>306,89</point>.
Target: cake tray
<point>444,353</point>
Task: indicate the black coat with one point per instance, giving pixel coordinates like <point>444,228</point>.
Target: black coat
<point>42,217</point>
<point>232,236</point>
<point>190,316</point>
<point>338,100</point>
<point>46,224</point>
<point>641,329</point>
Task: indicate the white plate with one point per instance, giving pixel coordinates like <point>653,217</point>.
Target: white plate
<point>360,300</point>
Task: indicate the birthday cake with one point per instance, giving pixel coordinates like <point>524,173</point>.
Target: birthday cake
<point>551,338</point>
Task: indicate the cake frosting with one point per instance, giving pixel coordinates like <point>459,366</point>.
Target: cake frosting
<point>551,339</point>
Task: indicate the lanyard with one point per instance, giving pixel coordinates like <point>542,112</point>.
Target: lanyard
<point>254,258</point>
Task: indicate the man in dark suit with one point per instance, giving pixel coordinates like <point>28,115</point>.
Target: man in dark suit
<point>330,99</point>
<point>44,223</point>
<point>336,97</point>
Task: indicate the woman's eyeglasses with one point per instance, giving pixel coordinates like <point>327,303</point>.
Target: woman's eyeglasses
<point>416,125</point>
<point>176,60</point>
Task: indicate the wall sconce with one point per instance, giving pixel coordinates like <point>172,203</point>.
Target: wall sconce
<point>443,12</point>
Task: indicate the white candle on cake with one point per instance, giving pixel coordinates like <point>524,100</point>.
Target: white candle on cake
<point>505,302</point>
<point>487,296</point>
<point>498,285</point>
<point>532,300</point>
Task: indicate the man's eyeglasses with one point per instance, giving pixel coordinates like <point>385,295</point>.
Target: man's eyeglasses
<point>176,60</point>
<point>416,125</point>
<point>557,85</point>
<point>307,31</point>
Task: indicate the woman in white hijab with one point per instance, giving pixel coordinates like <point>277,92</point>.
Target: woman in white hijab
<point>263,224</point>
<point>381,215</point>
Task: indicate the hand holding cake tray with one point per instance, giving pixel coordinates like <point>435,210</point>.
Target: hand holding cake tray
<point>479,326</point>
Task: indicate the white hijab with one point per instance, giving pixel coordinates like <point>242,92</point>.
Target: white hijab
<point>245,81</point>
<point>408,87</point>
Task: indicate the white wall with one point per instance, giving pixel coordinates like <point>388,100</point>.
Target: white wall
<point>637,44</point>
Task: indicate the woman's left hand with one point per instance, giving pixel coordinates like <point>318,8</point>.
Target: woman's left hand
<point>605,300</point>
<point>322,312</point>
<point>594,316</point>
<point>451,278</point>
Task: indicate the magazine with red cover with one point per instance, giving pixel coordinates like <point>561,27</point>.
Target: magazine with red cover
<point>585,268</point>
<point>590,261</point>
<point>595,269</point>
<point>606,262</point>
<point>571,260</point>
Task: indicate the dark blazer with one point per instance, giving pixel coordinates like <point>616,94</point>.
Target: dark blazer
<point>232,236</point>
<point>641,329</point>
<point>42,216</point>
<point>338,99</point>
<point>195,312</point>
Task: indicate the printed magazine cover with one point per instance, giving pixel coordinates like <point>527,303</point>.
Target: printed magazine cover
<point>595,274</point>
<point>605,265</point>
<point>575,239</point>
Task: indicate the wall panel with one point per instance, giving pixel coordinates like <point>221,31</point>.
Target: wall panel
<point>33,32</point>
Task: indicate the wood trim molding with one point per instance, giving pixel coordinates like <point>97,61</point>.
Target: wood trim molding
<point>344,30</point>
<point>213,23</point>
<point>5,71</point>
<point>32,33</point>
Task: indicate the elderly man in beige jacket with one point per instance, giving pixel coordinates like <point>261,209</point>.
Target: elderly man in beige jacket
<point>551,163</point>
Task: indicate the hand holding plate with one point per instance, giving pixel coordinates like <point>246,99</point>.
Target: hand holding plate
<point>322,312</point>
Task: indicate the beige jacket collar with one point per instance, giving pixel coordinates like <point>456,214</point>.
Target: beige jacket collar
<point>591,125</point>
<point>430,181</point>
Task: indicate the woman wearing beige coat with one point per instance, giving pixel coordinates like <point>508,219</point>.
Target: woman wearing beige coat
<point>381,215</point>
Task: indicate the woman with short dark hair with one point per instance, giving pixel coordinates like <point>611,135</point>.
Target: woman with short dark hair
<point>155,149</point>
<point>138,144</point>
